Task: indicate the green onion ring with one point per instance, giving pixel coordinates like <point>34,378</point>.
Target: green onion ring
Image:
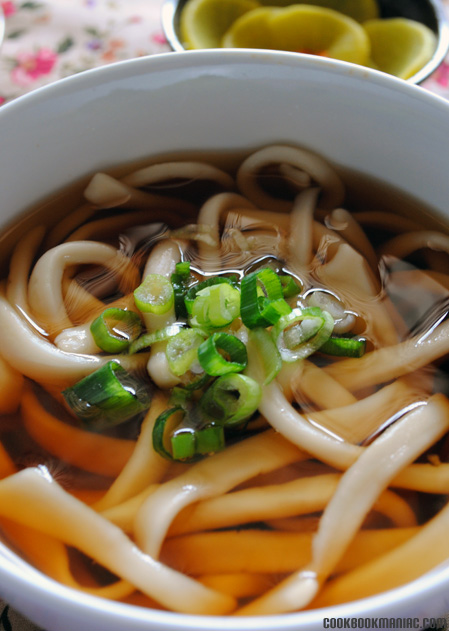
<point>113,338</point>
<point>213,362</point>
<point>231,399</point>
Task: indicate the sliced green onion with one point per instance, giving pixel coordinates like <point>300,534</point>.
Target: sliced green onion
<point>231,399</point>
<point>262,302</point>
<point>107,397</point>
<point>344,347</point>
<point>210,282</point>
<point>302,332</point>
<point>115,329</point>
<point>178,281</point>
<point>182,351</point>
<point>290,286</point>
<point>210,439</point>
<point>183,269</point>
<point>183,444</point>
<point>187,444</point>
<point>212,360</point>
<point>148,339</point>
<point>159,429</point>
<point>215,306</point>
<point>154,295</point>
<point>268,353</point>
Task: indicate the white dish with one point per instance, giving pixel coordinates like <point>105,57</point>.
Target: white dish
<point>359,119</point>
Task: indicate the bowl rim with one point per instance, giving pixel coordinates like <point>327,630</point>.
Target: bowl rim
<point>170,17</point>
<point>19,576</point>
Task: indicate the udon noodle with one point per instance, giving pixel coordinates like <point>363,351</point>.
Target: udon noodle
<point>223,389</point>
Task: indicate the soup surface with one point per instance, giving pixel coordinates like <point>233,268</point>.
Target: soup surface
<point>224,385</point>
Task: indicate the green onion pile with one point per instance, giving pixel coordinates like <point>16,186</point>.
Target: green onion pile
<point>207,350</point>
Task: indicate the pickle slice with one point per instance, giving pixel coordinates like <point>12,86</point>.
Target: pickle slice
<point>302,29</point>
<point>204,22</point>
<point>360,10</point>
<point>399,46</point>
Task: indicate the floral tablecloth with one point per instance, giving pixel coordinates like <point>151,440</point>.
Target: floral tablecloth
<point>50,39</point>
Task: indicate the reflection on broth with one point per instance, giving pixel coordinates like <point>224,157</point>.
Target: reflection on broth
<point>224,385</point>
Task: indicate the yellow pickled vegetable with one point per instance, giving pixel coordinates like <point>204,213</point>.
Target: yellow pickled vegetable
<point>360,10</point>
<point>400,47</point>
<point>301,28</point>
<point>204,22</point>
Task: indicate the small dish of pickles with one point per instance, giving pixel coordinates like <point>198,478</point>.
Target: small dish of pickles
<point>405,39</point>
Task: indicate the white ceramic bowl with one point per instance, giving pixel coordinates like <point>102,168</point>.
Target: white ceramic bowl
<point>207,100</point>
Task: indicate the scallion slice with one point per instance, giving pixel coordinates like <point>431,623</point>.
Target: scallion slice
<point>290,286</point>
<point>268,353</point>
<point>182,351</point>
<point>231,399</point>
<point>210,439</point>
<point>183,444</point>
<point>214,362</point>
<point>209,282</point>
<point>344,346</point>
<point>109,396</point>
<point>115,329</point>
<point>302,332</point>
<point>179,282</point>
<point>148,339</point>
<point>262,302</point>
<point>154,295</point>
<point>187,444</point>
<point>215,306</point>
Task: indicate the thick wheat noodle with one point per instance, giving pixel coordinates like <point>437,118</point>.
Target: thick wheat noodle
<point>254,216</point>
<point>104,191</point>
<point>210,215</point>
<point>92,452</point>
<point>405,244</point>
<point>124,514</point>
<point>299,178</point>
<point>162,260</point>
<point>209,478</point>
<point>238,584</point>
<point>144,467</point>
<point>79,339</point>
<point>315,383</point>
<point>386,220</point>
<point>20,266</point>
<point>358,421</point>
<point>346,224</point>
<point>439,277</point>
<point>436,284</point>
<point>71,222</point>
<point>296,428</point>
<point>301,230</point>
<point>77,298</point>
<point>111,226</point>
<point>36,358</point>
<point>240,550</point>
<point>50,556</point>
<point>178,170</point>
<point>45,289</point>
<point>358,489</point>
<point>297,497</point>
<point>11,385</point>
<point>332,190</point>
<point>287,421</point>
<point>420,554</point>
<point>352,279</point>
<point>384,364</point>
<point>32,496</point>
<point>7,466</point>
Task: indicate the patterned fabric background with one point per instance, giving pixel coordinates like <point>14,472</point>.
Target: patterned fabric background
<point>50,39</point>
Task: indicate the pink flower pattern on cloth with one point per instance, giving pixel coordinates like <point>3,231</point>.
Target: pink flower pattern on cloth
<point>46,40</point>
